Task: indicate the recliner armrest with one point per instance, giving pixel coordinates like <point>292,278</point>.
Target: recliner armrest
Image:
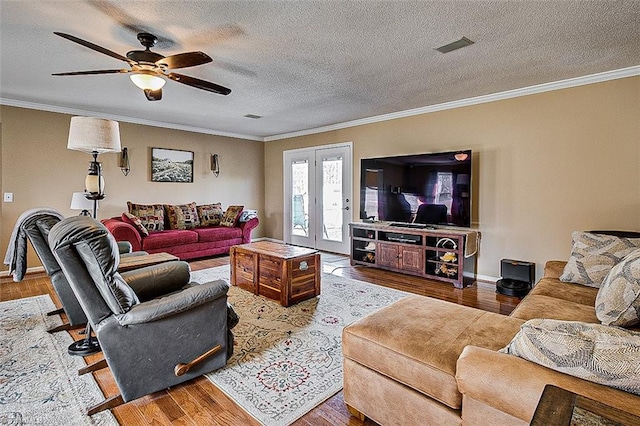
<point>175,303</point>
<point>134,254</point>
<point>158,280</point>
<point>124,247</point>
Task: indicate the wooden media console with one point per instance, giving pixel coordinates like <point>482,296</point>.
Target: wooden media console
<point>439,254</point>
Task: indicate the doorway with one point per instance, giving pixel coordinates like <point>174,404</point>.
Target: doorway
<point>318,197</point>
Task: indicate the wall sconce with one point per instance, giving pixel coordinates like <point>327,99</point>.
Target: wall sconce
<point>125,167</point>
<point>215,165</point>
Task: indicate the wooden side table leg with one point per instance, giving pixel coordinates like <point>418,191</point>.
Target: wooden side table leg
<point>232,261</point>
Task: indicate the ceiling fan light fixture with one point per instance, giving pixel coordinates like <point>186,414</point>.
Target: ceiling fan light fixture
<point>147,81</point>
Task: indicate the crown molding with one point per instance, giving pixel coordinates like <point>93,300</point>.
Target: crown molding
<point>123,119</point>
<point>525,91</point>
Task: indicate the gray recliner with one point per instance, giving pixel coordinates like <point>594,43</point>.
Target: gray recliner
<point>37,230</point>
<point>156,329</point>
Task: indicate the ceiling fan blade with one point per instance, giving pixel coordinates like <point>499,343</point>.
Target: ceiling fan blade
<point>93,46</point>
<point>185,60</point>
<point>199,84</point>
<point>153,95</point>
<point>93,72</point>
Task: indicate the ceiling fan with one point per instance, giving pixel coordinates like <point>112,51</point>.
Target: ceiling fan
<point>149,69</point>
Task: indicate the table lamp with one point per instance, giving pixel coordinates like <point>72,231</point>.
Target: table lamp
<point>80,202</point>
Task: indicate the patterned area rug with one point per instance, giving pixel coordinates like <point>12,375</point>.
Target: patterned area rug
<point>287,361</point>
<point>39,382</point>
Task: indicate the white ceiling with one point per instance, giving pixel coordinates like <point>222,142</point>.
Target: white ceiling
<point>305,64</point>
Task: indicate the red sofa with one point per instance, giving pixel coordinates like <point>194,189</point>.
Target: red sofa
<point>184,243</point>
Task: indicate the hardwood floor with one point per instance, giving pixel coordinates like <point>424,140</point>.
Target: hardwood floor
<point>199,402</point>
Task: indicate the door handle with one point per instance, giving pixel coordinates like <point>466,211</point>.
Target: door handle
<point>346,208</point>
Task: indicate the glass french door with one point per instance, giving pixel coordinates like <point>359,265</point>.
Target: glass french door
<point>318,197</point>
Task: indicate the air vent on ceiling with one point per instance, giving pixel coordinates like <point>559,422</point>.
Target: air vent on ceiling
<point>458,44</point>
<point>255,117</point>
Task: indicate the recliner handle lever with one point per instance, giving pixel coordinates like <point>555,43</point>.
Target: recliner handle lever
<point>182,368</point>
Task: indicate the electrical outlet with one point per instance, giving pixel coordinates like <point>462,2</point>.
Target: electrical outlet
<point>8,197</point>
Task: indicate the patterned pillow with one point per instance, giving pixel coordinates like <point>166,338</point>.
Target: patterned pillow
<point>135,222</point>
<point>231,216</point>
<point>594,352</point>
<point>151,215</point>
<point>183,216</point>
<point>247,215</point>
<point>618,300</point>
<point>210,214</point>
<point>593,256</point>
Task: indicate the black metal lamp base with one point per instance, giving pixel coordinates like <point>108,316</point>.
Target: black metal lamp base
<point>512,287</point>
<point>84,347</point>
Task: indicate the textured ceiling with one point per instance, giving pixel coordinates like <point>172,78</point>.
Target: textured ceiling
<point>305,64</point>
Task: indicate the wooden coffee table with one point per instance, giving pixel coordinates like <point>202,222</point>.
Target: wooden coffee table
<point>281,272</point>
<point>135,262</point>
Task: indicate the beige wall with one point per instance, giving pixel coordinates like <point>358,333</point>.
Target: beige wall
<point>39,169</point>
<point>545,165</point>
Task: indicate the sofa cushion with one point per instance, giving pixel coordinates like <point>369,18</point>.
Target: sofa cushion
<point>618,301</point>
<point>182,216</point>
<point>593,256</point>
<point>417,340</point>
<point>210,214</point>
<point>150,215</point>
<point>594,352</point>
<point>231,216</point>
<point>539,306</point>
<point>575,293</point>
<point>169,238</point>
<point>218,233</point>
<point>136,223</point>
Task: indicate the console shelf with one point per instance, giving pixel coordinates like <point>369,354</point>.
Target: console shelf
<point>431,253</point>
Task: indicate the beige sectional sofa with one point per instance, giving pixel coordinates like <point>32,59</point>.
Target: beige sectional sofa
<point>423,361</point>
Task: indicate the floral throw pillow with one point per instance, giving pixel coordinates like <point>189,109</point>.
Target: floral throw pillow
<point>618,300</point>
<point>182,216</point>
<point>210,214</point>
<point>593,256</point>
<point>231,216</point>
<point>136,223</point>
<point>151,215</point>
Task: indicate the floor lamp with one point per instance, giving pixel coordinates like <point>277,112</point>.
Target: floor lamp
<point>94,136</point>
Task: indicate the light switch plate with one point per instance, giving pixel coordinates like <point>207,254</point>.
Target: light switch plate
<point>8,197</point>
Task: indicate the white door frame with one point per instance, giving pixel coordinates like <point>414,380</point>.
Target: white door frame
<point>315,237</point>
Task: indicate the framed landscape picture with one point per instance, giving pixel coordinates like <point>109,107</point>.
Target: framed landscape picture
<point>171,165</point>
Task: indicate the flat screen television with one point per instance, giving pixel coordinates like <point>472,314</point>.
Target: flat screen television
<point>429,189</point>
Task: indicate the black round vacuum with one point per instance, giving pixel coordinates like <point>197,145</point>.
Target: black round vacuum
<point>510,287</point>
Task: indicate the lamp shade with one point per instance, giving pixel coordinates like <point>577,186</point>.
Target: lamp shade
<point>80,202</point>
<point>89,134</point>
